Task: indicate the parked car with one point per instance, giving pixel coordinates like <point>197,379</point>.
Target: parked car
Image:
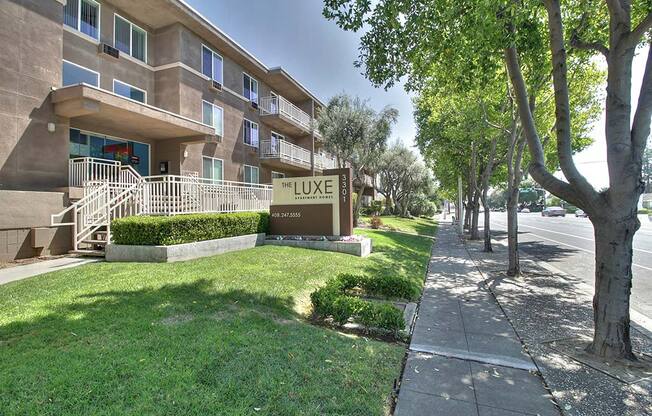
<point>581,213</point>
<point>525,211</point>
<point>553,212</point>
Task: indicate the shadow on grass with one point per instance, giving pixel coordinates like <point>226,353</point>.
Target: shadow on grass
<point>396,253</point>
<point>187,349</point>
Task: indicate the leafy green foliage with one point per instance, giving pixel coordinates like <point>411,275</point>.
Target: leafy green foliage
<point>336,300</point>
<point>179,229</point>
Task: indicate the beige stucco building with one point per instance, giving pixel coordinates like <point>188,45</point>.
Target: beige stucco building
<point>149,83</point>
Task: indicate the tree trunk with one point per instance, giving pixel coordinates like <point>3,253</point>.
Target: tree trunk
<point>487,226</point>
<point>514,267</point>
<point>358,204</point>
<point>475,233</point>
<point>613,284</point>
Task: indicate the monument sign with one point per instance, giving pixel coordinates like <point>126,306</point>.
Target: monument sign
<point>313,205</point>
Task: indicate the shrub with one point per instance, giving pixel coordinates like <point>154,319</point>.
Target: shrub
<point>376,207</point>
<point>376,222</point>
<point>179,229</point>
<point>422,206</point>
<point>389,287</point>
<point>334,301</point>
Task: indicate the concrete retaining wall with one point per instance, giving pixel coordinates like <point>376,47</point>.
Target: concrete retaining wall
<point>180,252</point>
<point>189,251</point>
<point>360,248</point>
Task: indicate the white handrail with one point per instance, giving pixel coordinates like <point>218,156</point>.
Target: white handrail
<point>113,190</point>
<point>281,106</point>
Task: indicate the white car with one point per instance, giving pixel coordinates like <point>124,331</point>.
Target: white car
<point>525,211</point>
<point>581,213</point>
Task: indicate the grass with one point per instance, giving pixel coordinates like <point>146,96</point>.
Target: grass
<point>417,225</point>
<point>223,335</point>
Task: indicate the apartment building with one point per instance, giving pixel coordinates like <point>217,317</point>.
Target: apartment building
<point>149,84</point>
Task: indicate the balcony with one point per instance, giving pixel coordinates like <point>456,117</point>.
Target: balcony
<point>285,117</point>
<point>284,155</point>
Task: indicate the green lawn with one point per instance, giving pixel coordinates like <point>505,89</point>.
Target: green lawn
<point>417,225</point>
<point>224,335</point>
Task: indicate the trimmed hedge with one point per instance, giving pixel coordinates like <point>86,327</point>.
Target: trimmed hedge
<point>392,287</point>
<point>179,229</point>
<point>333,301</point>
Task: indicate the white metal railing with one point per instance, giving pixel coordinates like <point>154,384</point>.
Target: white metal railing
<point>113,190</point>
<point>323,161</point>
<point>279,105</point>
<point>282,149</point>
<point>172,195</point>
<point>85,169</point>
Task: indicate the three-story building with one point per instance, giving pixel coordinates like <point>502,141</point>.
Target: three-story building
<point>150,84</point>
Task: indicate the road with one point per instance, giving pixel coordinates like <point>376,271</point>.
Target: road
<point>567,243</point>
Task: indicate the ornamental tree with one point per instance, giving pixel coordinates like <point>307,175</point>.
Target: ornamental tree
<point>421,39</point>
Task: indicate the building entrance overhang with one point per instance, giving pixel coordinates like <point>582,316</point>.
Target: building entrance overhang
<point>108,111</point>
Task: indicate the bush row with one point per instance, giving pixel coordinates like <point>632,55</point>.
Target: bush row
<point>385,286</point>
<point>179,229</point>
<point>334,300</point>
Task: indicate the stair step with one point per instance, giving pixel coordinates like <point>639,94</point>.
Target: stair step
<point>99,242</point>
<point>89,253</point>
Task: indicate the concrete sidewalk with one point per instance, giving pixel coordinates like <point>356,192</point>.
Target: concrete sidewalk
<point>11,274</point>
<point>464,356</point>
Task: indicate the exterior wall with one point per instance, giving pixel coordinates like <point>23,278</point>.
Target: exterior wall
<point>20,211</point>
<point>35,42</point>
<point>31,158</point>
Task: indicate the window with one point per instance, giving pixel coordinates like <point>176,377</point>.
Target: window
<point>278,175</point>
<point>211,64</point>
<point>129,91</point>
<point>75,74</point>
<point>213,115</point>
<point>275,142</point>
<point>250,88</point>
<point>129,38</point>
<point>250,133</point>
<point>250,174</point>
<point>127,152</point>
<point>213,168</point>
<point>84,16</point>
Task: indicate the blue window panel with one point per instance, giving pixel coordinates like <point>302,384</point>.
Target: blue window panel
<point>73,74</point>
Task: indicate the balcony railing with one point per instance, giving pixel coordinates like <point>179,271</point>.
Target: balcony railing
<point>284,150</point>
<point>323,161</point>
<point>279,105</point>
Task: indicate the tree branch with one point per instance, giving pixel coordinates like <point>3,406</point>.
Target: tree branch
<point>641,123</point>
<point>635,35</point>
<point>616,10</point>
<point>538,167</point>
<point>578,43</point>
<point>562,102</point>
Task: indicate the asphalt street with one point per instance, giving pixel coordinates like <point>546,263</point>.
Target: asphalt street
<point>567,243</point>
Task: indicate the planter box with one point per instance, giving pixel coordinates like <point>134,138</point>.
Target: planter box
<point>180,252</point>
<point>360,248</point>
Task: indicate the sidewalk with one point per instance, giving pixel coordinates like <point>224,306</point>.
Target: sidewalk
<point>11,274</point>
<point>548,307</point>
<point>464,356</point>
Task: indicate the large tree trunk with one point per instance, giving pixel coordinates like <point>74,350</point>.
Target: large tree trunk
<point>613,284</point>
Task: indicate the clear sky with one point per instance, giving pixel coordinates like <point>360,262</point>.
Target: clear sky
<point>294,34</point>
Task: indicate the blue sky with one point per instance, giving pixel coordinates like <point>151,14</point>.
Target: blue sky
<point>295,35</point>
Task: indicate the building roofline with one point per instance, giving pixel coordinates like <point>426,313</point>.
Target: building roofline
<point>228,39</point>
